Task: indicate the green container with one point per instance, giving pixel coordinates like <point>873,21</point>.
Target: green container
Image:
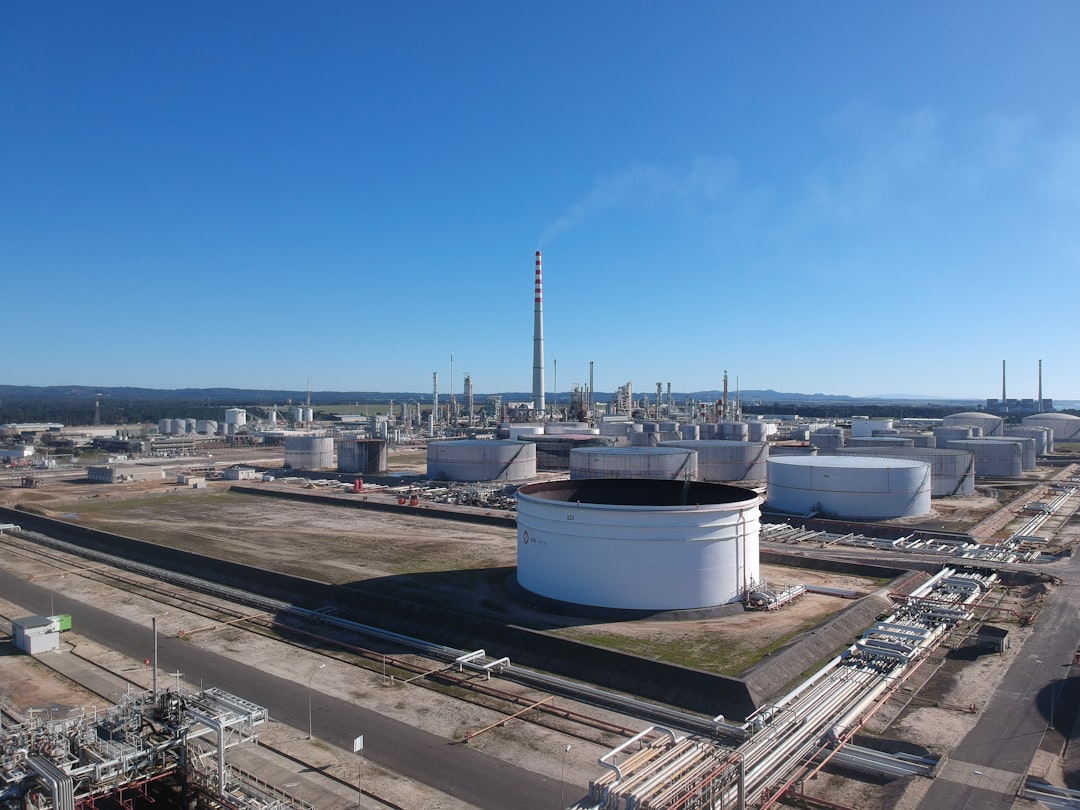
<point>63,621</point>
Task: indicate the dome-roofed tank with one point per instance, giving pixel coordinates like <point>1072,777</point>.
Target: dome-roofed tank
<point>1066,427</point>
<point>991,425</point>
<point>638,544</point>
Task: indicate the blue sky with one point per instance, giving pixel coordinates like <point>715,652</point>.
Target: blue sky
<point>848,198</point>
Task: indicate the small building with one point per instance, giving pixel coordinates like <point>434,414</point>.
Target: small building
<point>241,474</point>
<point>119,474</point>
<point>35,634</point>
<point>993,638</point>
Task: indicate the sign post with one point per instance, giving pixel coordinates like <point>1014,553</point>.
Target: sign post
<point>358,748</point>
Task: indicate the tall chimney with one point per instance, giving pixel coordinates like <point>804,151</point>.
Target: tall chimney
<point>1040,388</point>
<point>1002,383</point>
<point>538,341</point>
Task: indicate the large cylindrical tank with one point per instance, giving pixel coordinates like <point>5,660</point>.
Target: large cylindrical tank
<point>722,461</point>
<point>991,425</point>
<point>995,459</point>
<point>207,427</point>
<point>669,427</point>
<point>827,438</point>
<point>757,431</point>
<point>553,452</point>
<point>638,545</point>
<point>734,431</point>
<point>362,455</point>
<point>852,487</point>
<point>480,460</point>
<point>879,441</point>
<point>164,426</point>
<point>524,430</point>
<point>616,429</point>
<point>708,430</point>
<point>952,472</point>
<point>1066,427</point>
<point>1027,446</point>
<point>689,432</point>
<point>235,416</point>
<point>867,427</point>
<point>921,439</point>
<point>792,450</point>
<point>950,434</point>
<point>559,428</point>
<point>633,462</point>
<point>1041,435</point>
<point>309,452</point>
<point>190,425</point>
<point>643,439</point>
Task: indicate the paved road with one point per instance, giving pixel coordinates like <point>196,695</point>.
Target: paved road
<point>454,769</point>
<point>986,768</point>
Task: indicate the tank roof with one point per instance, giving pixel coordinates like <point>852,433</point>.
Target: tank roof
<point>637,492</point>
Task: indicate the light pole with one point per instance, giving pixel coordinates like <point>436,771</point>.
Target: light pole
<point>309,680</point>
<point>153,623</point>
<point>562,779</point>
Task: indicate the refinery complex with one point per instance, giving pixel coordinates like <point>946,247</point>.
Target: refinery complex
<point>533,552</point>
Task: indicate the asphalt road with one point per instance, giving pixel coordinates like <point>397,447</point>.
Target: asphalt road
<point>455,769</point>
<point>985,768</point>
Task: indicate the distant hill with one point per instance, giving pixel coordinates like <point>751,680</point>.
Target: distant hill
<point>269,396</point>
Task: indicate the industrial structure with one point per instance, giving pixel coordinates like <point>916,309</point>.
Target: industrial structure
<point>638,544</point>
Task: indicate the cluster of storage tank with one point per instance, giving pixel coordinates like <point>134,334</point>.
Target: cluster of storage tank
<point>180,427</point>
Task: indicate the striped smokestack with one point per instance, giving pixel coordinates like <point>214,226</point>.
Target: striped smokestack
<point>538,340</point>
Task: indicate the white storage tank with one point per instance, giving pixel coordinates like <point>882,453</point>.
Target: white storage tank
<point>921,439</point>
<point>867,427</point>
<point>1027,447</point>
<point>675,463</point>
<point>190,425</point>
<point>361,455</point>
<point>879,441</point>
<point>1041,435</point>
<point>643,439</point>
<point>995,459</point>
<point>1066,427</point>
<point>952,472</point>
<point>206,427</point>
<point>638,545</point>
<point>827,438</point>
<point>708,430</point>
<point>721,461</point>
<point>164,426</point>
<point>792,450</point>
<point>734,431</point>
<point>955,433</point>
<point>560,428</point>
<point>854,487</point>
<point>481,460</point>
<point>991,425</point>
<point>689,432</point>
<point>757,430</point>
<point>616,429</point>
<point>524,430</point>
<point>309,452</point>
<point>235,416</point>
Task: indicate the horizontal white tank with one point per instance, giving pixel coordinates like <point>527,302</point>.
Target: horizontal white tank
<point>1066,427</point>
<point>721,461</point>
<point>638,545</point>
<point>879,441</point>
<point>481,460</point>
<point>952,472</point>
<point>991,425</point>
<point>867,427</point>
<point>995,459</point>
<point>874,488</point>
<point>309,452</point>
<point>633,462</point>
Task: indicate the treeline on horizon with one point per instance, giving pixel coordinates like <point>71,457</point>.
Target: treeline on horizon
<point>135,411</point>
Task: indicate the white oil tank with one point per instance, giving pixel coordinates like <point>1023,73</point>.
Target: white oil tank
<point>1027,447</point>
<point>991,425</point>
<point>952,472</point>
<point>861,428</point>
<point>722,461</point>
<point>235,416</point>
<point>827,438</point>
<point>994,459</point>
<point>879,441</point>
<point>309,452</point>
<point>481,460</point>
<point>633,462</point>
<point>637,544</point>
<point>1066,427</point>
<point>852,487</point>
